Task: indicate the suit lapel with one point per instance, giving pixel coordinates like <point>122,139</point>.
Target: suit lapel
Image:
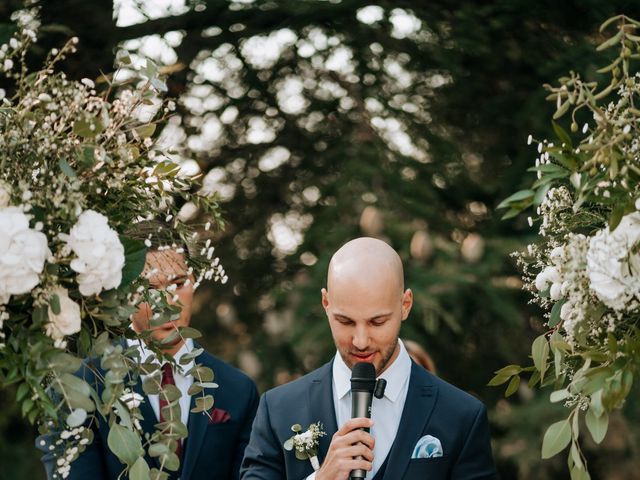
<point>321,407</point>
<point>197,427</point>
<point>421,398</point>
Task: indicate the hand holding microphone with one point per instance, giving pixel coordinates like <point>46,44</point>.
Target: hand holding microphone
<point>363,388</point>
<point>351,448</point>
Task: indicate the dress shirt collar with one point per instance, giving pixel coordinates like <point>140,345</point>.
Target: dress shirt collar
<point>145,353</point>
<point>396,375</point>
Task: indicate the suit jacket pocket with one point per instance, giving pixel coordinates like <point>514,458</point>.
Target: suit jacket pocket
<point>428,468</point>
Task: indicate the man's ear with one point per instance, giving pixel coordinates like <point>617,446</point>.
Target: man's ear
<point>407,303</point>
<point>325,298</point>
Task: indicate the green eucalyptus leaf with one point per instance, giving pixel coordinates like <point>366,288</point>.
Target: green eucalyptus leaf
<point>556,438</point>
<point>616,216</point>
<point>575,456</point>
<point>158,475</point>
<point>597,424</point>
<point>170,392</point>
<point>140,470</point>
<point>554,316</point>
<point>194,389</point>
<point>146,130</point>
<point>135,253</point>
<point>559,395</point>
<point>513,386</point>
<point>539,353</point>
<point>516,197</point>
<point>158,449</point>
<point>67,170</point>
<point>562,135</point>
<point>203,404</point>
<point>125,444</point>
<point>64,362</point>
<point>77,417</point>
<point>617,38</point>
<point>595,405</point>
<point>189,332</point>
<point>188,357</point>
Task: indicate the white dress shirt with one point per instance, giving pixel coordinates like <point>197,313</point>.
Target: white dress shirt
<point>385,412</point>
<point>183,382</point>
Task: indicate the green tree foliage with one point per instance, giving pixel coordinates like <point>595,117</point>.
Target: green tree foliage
<point>406,121</point>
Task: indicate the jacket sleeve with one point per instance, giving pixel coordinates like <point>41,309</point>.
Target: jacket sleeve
<point>245,433</point>
<point>475,461</point>
<point>263,457</point>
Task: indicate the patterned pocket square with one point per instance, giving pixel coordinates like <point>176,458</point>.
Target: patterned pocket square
<point>427,447</point>
<point>218,415</point>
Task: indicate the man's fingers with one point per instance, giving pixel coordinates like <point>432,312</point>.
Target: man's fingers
<point>354,424</point>
<point>358,451</point>
<point>351,438</point>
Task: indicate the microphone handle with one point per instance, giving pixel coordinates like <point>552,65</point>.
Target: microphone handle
<point>360,408</point>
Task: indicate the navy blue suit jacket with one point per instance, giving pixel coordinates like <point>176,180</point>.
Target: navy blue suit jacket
<point>212,451</point>
<point>433,407</point>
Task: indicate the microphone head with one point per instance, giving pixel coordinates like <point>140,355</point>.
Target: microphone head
<point>363,377</point>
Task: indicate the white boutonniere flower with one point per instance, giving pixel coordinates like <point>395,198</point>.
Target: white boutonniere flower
<point>305,444</point>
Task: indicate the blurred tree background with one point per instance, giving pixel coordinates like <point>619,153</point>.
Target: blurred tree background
<point>319,121</point>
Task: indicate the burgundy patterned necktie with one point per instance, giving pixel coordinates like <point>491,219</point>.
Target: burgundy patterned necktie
<point>167,379</point>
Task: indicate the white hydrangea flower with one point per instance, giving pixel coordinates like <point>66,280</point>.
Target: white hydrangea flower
<point>100,255</point>
<point>613,266</point>
<point>67,322</point>
<point>23,252</point>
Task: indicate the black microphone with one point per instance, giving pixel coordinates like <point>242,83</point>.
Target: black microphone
<point>363,386</point>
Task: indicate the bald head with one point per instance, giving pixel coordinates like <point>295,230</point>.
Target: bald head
<point>365,302</point>
<point>367,260</point>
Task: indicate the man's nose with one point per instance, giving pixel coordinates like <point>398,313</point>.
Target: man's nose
<point>361,338</point>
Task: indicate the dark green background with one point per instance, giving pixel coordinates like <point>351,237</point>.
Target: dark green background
<point>470,315</point>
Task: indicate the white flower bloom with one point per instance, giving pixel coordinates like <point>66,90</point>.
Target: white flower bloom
<point>612,265</point>
<point>23,252</point>
<point>100,255</point>
<point>556,291</point>
<point>546,276</point>
<point>305,436</point>
<point>131,399</point>
<point>67,322</point>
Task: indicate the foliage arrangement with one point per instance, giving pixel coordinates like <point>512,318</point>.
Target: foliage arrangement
<point>78,169</point>
<point>584,270</point>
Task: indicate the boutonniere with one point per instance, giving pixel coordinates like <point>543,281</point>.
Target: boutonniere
<point>305,444</point>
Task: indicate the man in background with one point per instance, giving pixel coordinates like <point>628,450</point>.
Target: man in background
<point>215,443</point>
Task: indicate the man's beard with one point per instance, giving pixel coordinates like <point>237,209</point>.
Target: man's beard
<point>386,357</point>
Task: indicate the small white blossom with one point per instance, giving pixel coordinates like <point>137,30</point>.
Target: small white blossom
<point>131,399</point>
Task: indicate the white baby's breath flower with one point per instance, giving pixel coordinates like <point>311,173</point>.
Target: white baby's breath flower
<point>23,252</point>
<point>67,321</point>
<point>100,255</point>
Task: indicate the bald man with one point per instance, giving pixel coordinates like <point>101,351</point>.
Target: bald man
<point>422,428</point>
